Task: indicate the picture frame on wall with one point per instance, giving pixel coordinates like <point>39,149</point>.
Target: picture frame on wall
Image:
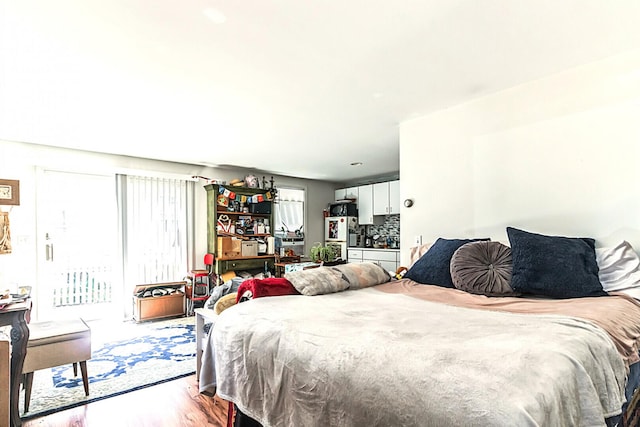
<point>9,192</point>
<point>5,233</point>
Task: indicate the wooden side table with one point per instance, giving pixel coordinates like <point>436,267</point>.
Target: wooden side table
<point>282,261</point>
<point>16,315</point>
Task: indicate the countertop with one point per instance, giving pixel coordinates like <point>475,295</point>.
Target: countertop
<point>373,249</point>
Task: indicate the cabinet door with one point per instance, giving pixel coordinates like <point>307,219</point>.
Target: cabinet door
<point>388,265</point>
<point>381,198</point>
<point>340,194</point>
<point>365,204</point>
<point>354,255</point>
<point>394,197</point>
<point>351,193</point>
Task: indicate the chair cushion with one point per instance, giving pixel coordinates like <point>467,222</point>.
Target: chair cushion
<point>41,333</point>
<point>57,343</point>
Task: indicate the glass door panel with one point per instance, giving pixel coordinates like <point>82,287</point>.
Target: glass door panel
<point>77,238</point>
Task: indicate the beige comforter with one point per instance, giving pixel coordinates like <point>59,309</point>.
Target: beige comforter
<point>386,356</point>
<point>618,315</point>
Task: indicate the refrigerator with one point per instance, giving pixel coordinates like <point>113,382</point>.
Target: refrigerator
<point>336,233</point>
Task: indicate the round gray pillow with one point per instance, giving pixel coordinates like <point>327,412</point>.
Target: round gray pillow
<point>483,268</point>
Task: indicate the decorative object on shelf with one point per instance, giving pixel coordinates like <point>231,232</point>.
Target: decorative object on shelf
<point>319,253</point>
<point>224,224</point>
<point>256,198</point>
<point>208,180</point>
<point>5,233</point>
<point>223,200</point>
<point>9,192</point>
<point>251,181</point>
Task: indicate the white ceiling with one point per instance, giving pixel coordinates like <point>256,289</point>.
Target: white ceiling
<point>292,87</point>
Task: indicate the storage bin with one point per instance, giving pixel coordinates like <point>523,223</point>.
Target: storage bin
<point>249,248</point>
<point>158,304</point>
<point>229,247</point>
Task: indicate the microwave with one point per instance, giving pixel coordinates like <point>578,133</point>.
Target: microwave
<point>343,209</point>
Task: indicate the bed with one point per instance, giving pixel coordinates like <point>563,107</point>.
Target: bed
<point>357,349</point>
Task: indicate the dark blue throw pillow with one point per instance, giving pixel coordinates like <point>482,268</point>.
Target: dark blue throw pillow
<point>554,266</point>
<point>433,267</point>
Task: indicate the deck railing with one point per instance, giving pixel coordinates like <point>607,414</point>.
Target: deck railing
<point>83,286</point>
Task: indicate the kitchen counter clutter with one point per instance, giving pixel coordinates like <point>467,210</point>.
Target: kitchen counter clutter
<point>389,259</point>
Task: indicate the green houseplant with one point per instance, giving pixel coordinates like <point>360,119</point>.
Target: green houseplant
<point>320,253</point>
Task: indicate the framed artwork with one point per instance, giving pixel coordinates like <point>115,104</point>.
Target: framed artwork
<point>5,233</point>
<point>9,192</point>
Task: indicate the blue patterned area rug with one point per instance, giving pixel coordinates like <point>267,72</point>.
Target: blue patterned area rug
<point>125,357</point>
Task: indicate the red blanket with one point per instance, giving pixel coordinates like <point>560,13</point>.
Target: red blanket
<point>269,287</point>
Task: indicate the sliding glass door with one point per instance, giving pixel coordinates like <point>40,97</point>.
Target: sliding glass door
<point>78,256</point>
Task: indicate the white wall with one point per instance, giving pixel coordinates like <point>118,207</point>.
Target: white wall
<point>20,161</point>
<point>558,156</point>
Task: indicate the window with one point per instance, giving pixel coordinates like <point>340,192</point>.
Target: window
<point>289,215</point>
<point>156,227</point>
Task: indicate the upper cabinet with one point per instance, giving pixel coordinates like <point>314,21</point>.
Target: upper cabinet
<point>374,200</point>
<point>386,198</point>
<point>347,193</point>
<point>365,206</point>
<point>394,197</point>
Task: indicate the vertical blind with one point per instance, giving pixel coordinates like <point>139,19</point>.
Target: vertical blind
<point>157,224</point>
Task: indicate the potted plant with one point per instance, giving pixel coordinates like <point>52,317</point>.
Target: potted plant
<point>320,253</point>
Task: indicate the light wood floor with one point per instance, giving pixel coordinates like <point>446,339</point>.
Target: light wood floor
<point>172,404</point>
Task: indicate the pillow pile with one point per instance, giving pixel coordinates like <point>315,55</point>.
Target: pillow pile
<point>554,266</point>
<point>433,267</point>
<point>535,264</point>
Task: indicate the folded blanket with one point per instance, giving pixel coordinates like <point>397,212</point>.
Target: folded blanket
<point>269,287</point>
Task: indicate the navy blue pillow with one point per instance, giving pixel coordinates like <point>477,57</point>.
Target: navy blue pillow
<point>554,266</point>
<point>433,267</point>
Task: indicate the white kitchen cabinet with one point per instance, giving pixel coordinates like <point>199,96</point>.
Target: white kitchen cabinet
<point>354,255</point>
<point>365,206</point>
<point>381,198</point>
<point>351,193</point>
<point>386,198</point>
<point>346,193</point>
<point>394,197</point>
<point>389,259</point>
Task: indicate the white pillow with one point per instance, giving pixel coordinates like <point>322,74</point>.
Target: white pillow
<point>619,267</point>
<point>632,292</point>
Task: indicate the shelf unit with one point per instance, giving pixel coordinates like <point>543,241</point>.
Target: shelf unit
<point>215,211</point>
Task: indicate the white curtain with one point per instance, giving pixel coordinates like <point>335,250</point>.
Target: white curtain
<point>156,228</point>
<point>289,211</point>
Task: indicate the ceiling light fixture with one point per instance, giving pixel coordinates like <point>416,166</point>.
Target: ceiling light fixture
<point>214,15</point>
<point>356,163</point>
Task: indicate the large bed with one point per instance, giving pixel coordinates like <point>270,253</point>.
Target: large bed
<point>363,351</point>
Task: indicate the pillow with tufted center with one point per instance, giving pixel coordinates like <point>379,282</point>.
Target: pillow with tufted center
<point>483,268</point>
